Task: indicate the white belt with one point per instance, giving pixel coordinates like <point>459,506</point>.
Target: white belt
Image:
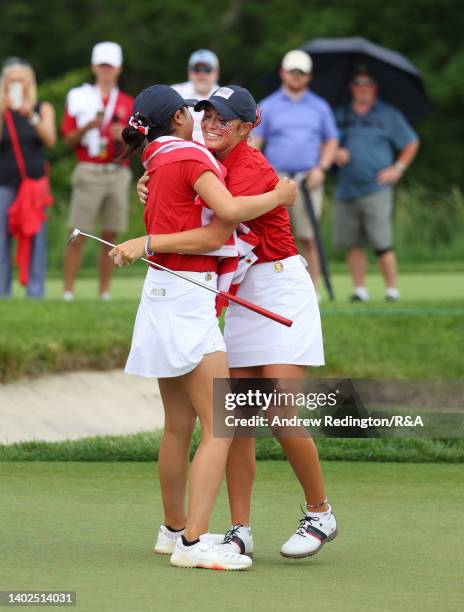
<point>99,167</point>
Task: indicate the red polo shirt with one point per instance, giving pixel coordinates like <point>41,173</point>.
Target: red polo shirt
<point>170,209</point>
<point>122,113</point>
<point>249,173</point>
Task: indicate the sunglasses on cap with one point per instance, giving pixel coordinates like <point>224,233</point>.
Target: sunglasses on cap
<point>202,68</point>
<point>363,81</point>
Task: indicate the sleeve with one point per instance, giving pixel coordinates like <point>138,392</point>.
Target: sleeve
<point>192,170</point>
<point>401,133</point>
<point>328,126</point>
<point>243,181</point>
<point>68,123</point>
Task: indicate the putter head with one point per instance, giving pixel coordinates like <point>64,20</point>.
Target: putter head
<point>74,234</point>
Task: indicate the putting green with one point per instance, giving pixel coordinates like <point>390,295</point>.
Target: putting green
<point>413,286</point>
<point>89,527</point>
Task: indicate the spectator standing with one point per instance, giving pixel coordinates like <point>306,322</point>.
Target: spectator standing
<point>299,138</point>
<point>33,123</point>
<point>371,132</point>
<point>203,74</point>
<point>92,126</point>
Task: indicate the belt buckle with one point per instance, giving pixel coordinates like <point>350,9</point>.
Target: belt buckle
<point>208,276</point>
<point>278,266</point>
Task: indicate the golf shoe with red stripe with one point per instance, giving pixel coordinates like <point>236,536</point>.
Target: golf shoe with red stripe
<point>314,531</point>
<point>238,539</point>
<point>206,554</point>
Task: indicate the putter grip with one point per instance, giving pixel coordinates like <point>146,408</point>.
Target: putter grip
<point>255,308</point>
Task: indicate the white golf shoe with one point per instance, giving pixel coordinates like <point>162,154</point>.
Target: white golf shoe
<point>314,531</point>
<point>166,540</point>
<point>238,539</point>
<point>208,555</point>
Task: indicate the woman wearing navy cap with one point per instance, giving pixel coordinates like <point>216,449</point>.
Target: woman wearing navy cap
<point>176,334</point>
<point>255,347</point>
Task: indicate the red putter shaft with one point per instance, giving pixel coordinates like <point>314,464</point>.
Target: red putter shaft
<point>224,294</point>
<point>262,311</point>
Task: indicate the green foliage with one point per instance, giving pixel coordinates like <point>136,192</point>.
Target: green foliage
<point>250,37</point>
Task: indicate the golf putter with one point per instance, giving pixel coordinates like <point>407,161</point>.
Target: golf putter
<point>224,294</point>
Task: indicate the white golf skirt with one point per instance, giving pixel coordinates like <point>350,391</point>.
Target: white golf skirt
<point>176,325</point>
<point>286,288</point>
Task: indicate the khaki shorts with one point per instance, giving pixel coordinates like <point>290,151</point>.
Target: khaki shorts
<point>302,226</point>
<point>364,220</point>
<point>103,195</point>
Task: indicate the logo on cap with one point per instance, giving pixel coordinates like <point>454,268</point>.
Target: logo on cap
<point>224,92</point>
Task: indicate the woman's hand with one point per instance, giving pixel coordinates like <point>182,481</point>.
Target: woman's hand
<point>128,252</point>
<point>142,189</point>
<point>286,190</point>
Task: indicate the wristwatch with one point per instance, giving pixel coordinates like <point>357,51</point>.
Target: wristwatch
<point>400,167</point>
<point>34,119</point>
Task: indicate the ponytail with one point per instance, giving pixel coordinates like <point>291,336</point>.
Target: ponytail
<point>139,130</point>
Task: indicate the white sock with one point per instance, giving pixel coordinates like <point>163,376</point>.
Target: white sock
<point>392,292</point>
<point>68,296</point>
<point>362,293</point>
<point>323,515</point>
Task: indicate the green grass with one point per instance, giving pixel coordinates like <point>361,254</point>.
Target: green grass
<point>90,528</point>
<point>434,284</point>
<point>419,337</point>
<point>145,447</point>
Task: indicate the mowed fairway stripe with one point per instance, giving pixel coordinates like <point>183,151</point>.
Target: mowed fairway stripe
<point>90,527</point>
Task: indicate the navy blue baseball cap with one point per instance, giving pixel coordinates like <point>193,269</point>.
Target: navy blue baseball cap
<point>231,102</point>
<point>158,103</point>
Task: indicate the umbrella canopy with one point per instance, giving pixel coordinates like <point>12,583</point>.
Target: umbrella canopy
<point>335,59</point>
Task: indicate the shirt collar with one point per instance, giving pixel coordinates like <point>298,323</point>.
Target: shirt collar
<point>285,96</point>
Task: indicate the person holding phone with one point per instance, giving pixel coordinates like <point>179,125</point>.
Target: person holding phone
<point>33,124</point>
<point>92,126</point>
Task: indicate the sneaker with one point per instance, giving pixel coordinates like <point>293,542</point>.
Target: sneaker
<point>68,296</point>
<point>313,532</point>
<point>208,555</point>
<point>166,541</point>
<point>238,539</point>
<point>105,295</point>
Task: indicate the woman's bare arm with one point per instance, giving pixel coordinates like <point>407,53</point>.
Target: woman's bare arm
<point>242,208</point>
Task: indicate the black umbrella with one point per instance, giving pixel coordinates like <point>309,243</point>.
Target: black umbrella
<point>335,59</point>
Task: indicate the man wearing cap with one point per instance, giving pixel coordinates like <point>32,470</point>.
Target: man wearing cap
<point>203,74</point>
<point>94,118</point>
<point>378,145</point>
<point>299,137</point>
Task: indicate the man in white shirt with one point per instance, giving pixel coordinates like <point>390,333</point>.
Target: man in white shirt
<point>203,73</point>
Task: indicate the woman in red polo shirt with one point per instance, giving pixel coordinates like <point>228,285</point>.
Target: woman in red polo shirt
<point>176,334</point>
<point>255,347</point>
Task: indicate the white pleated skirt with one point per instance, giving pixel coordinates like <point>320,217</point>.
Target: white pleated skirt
<point>286,288</point>
<point>176,325</point>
